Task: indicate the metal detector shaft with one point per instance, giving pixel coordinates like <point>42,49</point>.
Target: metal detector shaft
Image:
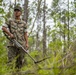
<point>18,45</point>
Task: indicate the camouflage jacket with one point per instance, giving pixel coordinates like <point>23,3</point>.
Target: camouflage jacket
<point>17,28</point>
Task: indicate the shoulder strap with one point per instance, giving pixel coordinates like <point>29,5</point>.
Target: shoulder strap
<point>9,26</point>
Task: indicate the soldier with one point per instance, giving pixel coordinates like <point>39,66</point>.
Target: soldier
<point>16,28</point>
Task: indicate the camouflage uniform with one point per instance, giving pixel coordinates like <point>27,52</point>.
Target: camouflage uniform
<point>17,28</point>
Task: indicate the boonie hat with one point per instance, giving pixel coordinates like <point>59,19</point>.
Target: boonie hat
<point>18,8</point>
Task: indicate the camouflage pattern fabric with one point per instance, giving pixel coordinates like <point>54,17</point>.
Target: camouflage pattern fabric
<point>15,57</point>
<point>17,28</point>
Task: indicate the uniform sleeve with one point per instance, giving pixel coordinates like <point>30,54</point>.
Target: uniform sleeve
<point>7,24</point>
<point>25,27</point>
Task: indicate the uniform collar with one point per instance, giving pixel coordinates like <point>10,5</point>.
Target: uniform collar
<point>18,21</point>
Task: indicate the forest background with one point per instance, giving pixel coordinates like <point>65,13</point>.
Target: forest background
<point>51,33</point>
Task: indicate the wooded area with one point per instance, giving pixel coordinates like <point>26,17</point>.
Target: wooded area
<point>51,36</point>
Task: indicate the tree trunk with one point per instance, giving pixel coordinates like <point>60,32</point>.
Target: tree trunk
<point>68,25</point>
<point>25,16</point>
<point>38,24</point>
<point>44,30</point>
<point>15,3</point>
<point>64,50</point>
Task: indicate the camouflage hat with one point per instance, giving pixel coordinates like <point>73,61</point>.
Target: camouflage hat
<point>18,8</point>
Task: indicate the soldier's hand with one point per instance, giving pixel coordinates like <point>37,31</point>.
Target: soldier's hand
<point>12,36</point>
<point>26,46</point>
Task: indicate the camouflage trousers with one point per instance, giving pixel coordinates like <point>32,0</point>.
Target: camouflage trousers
<point>15,57</point>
